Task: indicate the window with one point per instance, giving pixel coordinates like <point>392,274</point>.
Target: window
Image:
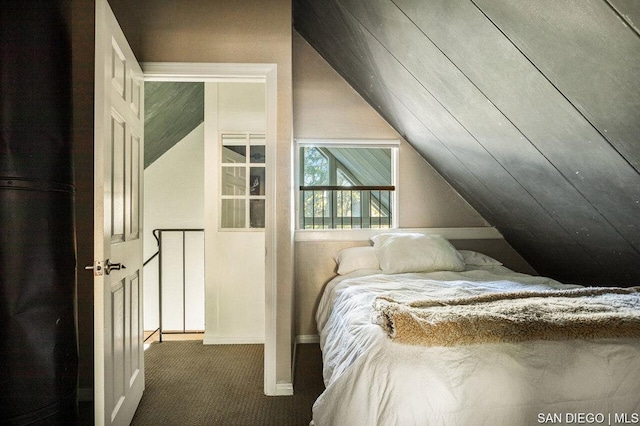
<point>346,185</point>
<point>243,181</point>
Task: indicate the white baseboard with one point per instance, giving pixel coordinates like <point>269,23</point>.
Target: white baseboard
<point>216,340</point>
<point>307,338</point>
<point>284,389</point>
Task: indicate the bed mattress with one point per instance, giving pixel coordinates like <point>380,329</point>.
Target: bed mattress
<point>372,380</point>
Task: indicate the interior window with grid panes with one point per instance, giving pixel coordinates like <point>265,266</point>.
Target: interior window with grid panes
<point>243,181</point>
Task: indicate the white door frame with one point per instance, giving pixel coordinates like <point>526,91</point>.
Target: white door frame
<point>267,73</point>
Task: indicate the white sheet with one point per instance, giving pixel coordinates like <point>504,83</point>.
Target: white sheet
<point>371,380</point>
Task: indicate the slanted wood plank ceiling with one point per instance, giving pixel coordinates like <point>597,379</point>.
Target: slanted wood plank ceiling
<point>531,110</point>
<point>172,110</point>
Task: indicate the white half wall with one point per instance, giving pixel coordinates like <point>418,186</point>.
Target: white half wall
<point>235,258</point>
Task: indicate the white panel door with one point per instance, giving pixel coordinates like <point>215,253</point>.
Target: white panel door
<point>118,334</point>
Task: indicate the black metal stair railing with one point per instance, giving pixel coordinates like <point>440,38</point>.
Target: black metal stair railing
<point>157,234</point>
<point>346,207</point>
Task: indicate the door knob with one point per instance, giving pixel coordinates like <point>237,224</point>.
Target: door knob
<point>113,267</point>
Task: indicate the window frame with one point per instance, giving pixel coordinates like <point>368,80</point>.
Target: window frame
<point>393,144</point>
<point>247,136</point>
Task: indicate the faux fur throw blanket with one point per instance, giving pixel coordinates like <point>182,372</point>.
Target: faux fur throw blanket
<point>579,313</point>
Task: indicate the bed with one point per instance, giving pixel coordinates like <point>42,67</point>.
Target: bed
<point>372,379</point>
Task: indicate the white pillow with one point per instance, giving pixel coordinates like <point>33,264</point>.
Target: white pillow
<point>408,252</point>
<point>354,258</point>
<point>474,258</point>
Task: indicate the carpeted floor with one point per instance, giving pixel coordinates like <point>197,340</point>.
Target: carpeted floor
<point>188,383</point>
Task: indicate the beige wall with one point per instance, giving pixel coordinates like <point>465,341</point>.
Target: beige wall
<point>325,106</point>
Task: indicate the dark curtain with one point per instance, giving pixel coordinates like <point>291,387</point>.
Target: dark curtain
<point>38,349</point>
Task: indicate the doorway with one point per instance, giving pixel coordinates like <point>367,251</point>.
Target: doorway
<point>264,74</point>
<point>197,162</point>
<point>174,290</point>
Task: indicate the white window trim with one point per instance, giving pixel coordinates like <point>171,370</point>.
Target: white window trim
<point>339,235</point>
<point>247,197</point>
<point>348,143</point>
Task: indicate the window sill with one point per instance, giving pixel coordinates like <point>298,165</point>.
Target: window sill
<point>475,233</point>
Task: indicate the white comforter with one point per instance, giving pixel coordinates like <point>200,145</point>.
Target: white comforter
<point>371,380</point>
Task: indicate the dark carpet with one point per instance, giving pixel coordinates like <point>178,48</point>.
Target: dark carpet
<point>188,383</point>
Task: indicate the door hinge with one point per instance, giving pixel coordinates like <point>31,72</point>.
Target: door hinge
<point>97,268</point>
